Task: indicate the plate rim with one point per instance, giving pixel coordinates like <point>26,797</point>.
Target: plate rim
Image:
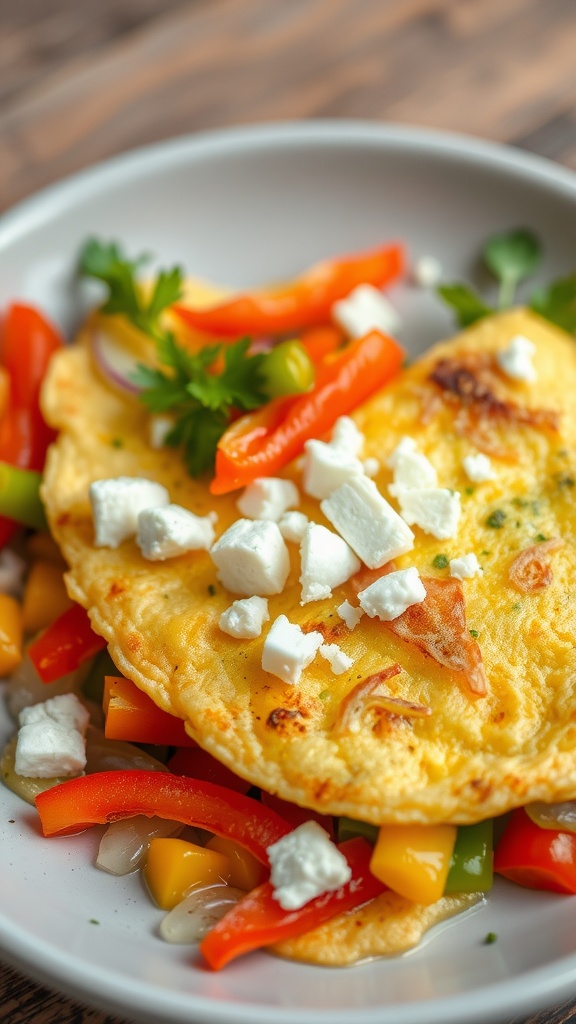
<point>545,985</point>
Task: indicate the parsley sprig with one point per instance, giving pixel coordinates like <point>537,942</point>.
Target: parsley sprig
<point>200,389</point>
<point>512,257</point>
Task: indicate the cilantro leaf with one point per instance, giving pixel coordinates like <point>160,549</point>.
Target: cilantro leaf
<point>512,257</point>
<point>557,303</point>
<point>107,262</point>
<point>467,305</point>
<point>200,398</point>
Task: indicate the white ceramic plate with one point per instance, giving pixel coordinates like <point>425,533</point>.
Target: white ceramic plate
<point>240,207</point>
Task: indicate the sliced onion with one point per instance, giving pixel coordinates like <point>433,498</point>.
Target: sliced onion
<point>554,816</point>
<point>198,912</point>
<point>25,686</point>
<point>104,755</point>
<point>125,843</point>
<point>115,362</point>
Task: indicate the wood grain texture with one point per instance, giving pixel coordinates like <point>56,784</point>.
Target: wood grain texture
<point>81,81</point>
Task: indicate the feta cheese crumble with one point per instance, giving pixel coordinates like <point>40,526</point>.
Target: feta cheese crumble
<point>346,436</point>
<point>478,468</point>
<point>293,525</point>
<point>50,740</point>
<point>427,271</point>
<point>369,524</point>
<point>338,660</point>
<point>436,510</point>
<point>516,359</point>
<point>390,596</point>
<point>172,530</point>
<point>244,618</point>
<point>411,468</point>
<point>304,864</point>
<point>365,309</point>
<point>287,650</point>
<point>252,558</point>
<point>326,562</point>
<point>326,467</point>
<point>268,497</point>
<point>349,614</point>
<point>465,567</point>
<point>117,503</point>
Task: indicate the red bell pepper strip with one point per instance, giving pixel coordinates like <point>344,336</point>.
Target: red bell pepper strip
<point>196,763</point>
<point>110,796</point>
<point>28,343</point>
<point>67,643</point>
<point>303,302</point>
<point>259,920</point>
<point>262,442</point>
<point>536,858</point>
<point>297,815</point>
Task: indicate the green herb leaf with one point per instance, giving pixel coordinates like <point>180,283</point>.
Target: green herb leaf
<point>107,262</point>
<point>512,257</point>
<point>467,305</point>
<point>557,303</point>
<point>496,519</point>
<point>440,561</point>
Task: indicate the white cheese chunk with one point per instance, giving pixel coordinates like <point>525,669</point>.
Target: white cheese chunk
<point>326,562</point>
<point>371,466</point>
<point>64,709</point>
<point>478,468</point>
<point>252,558</point>
<point>117,503</point>
<point>46,749</point>
<point>436,510</point>
<point>365,309</point>
<point>346,436</point>
<point>268,497</point>
<point>427,271</point>
<point>368,523</point>
<point>293,526</point>
<point>390,596</point>
<point>287,650</point>
<point>516,359</point>
<point>465,567</point>
<point>244,618</point>
<point>326,467</point>
<point>158,429</point>
<point>172,530</point>
<point>338,660</point>
<point>411,468</point>
<point>349,614</point>
<point>304,864</point>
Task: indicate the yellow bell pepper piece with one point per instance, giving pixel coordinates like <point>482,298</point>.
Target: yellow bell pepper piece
<point>414,860</point>
<point>246,872</point>
<point>11,634</point>
<point>45,596</point>
<point>174,866</point>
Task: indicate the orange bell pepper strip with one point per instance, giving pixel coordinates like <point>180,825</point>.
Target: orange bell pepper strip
<point>258,919</point>
<point>27,344</point>
<point>102,797</point>
<point>67,643</point>
<point>131,715</point>
<point>262,442</point>
<point>303,302</point>
<point>536,858</point>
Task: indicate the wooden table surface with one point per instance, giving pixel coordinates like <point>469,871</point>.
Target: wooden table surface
<point>81,81</point>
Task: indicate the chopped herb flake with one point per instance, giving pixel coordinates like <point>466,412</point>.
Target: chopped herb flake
<point>474,633</point>
<point>211,589</point>
<point>440,562</point>
<point>490,939</point>
<point>496,519</point>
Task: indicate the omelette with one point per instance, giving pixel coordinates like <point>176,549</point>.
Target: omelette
<point>476,712</point>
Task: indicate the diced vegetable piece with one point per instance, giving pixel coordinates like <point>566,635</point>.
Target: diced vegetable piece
<point>260,443</point>
<point>45,596</point>
<point>132,715</point>
<point>65,644</point>
<point>259,920</point>
<point>536,858</point>
<point>11,632</point>
<point>25,787</point>
<point>287,369</point>
<point>199,764</point>
<point>20,496</point>
<point>246,872</point>
<point>198,912</point>
<point>414,860</point>
<point>561,817</point>
<point>349,827</point>
<point>109,796</point>
<point>103,755</point>
<point>125,844</point>
<point>297,815</point>
<point>302,302</point>
<point>174,866</point>
<point>471,865</point>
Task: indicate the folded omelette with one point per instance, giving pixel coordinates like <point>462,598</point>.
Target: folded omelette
<point>460,709</point>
